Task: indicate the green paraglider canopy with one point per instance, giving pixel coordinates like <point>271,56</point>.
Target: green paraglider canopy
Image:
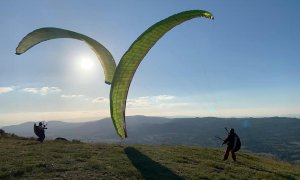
<point>133,57</point>
<point>39,35</point>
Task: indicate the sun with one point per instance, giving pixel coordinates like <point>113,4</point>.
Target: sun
<point>86,64</point>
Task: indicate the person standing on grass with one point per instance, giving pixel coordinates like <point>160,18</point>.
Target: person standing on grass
<point>40,131</point>
<point>233,144</point>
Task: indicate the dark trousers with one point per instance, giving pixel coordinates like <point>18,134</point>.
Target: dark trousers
<point>227,154</point>
<point>41,137</point>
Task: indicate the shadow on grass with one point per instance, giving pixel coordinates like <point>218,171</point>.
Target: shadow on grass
<point>148,168</point>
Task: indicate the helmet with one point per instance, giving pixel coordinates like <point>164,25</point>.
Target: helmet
<point>231,130</point>
<point>40,123</point>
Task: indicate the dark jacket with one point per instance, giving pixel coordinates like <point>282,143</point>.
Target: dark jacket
<point>230,140</point>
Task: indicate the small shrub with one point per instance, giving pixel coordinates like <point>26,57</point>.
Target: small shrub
<point>13,135</point>
<point>2,132</point>
<point>76,141</point>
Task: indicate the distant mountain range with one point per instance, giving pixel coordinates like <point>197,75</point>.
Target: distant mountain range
<point>275,136</point>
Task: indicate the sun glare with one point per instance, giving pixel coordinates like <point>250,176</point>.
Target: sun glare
<point>87,64</point>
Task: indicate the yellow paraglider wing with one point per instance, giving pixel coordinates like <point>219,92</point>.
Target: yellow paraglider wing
<point>39,35</point>
<point>131,60</point>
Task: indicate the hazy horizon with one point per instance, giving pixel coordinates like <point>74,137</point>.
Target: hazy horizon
<point>102,118</point>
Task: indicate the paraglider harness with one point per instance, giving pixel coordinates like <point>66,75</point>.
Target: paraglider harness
<point>39,130</point>
<point>236,146</point>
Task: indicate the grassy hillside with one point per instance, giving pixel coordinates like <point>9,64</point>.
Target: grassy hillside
<point>28,159</point>
<point>276,136</point>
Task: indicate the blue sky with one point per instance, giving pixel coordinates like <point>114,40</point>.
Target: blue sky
<point>246,62</point>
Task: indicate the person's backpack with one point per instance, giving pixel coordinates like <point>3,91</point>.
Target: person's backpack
<point>236,144</point>
<point>37,131</point>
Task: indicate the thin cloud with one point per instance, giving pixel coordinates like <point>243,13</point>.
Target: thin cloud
<point>164,97</point>
<point>42,91</point>
<point>72,96</point>
<point>173,105</point>
<point>5,89</point>
<point>139,102</point>
<point>100,100</point>
<point>30,90</point>
<point>148,101</point>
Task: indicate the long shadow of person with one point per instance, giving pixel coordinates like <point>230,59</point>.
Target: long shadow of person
<point>148,168</point>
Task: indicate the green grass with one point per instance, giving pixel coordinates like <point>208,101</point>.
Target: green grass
<point>23,158</point>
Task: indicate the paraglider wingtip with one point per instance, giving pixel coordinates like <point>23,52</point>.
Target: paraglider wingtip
<point>17,53</point>
<point>106,82</point>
